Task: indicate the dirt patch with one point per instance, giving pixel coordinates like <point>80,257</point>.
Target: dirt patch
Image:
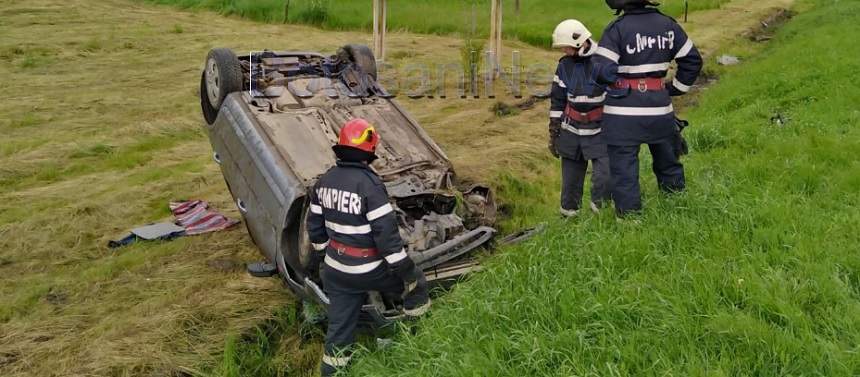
<point>225,265</point>
<point>57,298</point>
<point>9,358</point>
<point>714,28</point>
<point>768,26</point>
<point>42,338</point>
<point>502,109</point>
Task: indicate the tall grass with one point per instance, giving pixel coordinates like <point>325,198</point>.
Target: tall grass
<point>754,271</point>
<point>257,10</point>
<point>533,23</point>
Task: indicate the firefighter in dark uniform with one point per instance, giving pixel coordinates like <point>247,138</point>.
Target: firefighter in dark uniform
<point>352,220</point>
<point>636,50</point>
<point>575,119</point>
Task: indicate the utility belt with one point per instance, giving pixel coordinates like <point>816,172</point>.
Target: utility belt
<point>592,116</point>
<point>645,84</point>
<point>357,252</point>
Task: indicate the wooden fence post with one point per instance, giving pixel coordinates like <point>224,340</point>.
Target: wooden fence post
<point>496,34</point>
<point>379,26</point>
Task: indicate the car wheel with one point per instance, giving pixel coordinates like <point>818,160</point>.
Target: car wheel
<point>362,56</point>
<point>221,76</point>
<point>305,248</point>
<point>294,255</point>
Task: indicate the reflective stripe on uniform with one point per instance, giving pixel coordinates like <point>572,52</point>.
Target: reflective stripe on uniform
<point>320,246</point>
<point>316,209</point>
<point>396,257</point>
<point>348,229</point>
<point>356,270</point>
<point>337,362</point>
<point>586,99</point>
<point>379,212</point>
<point>580,131</point>
<point>638,111</point>
<point>607,53</point>
<point>555,114</point>
<point>680,86</point>
<point>685,49</point>
<point>643,68</point>
<point>558,81</point>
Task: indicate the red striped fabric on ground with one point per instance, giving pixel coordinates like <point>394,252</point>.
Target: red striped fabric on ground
<point>196,217</point>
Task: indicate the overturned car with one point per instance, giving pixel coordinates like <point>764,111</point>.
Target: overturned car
<point>272,119</point>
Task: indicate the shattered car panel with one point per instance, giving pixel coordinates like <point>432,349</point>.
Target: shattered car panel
<point>273,117</point>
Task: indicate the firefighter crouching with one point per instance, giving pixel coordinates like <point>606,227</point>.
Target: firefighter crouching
<point>575,119</point>
<point>636,50</point>
<point>352,220</point>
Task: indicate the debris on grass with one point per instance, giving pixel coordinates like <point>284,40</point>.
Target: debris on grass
<point>779,119</point>
<point>728,60</point>
<point>767,27</point>
<point>502,109</point>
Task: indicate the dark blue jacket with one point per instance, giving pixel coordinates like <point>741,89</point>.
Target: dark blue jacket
<point>349,204</point>
<point>642,43</point>
<point>575,85</point>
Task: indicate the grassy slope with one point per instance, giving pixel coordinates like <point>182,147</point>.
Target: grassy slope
<point>531,25</point>
<point>754,271</point>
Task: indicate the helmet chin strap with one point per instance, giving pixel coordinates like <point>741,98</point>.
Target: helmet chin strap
<point>588,48</point>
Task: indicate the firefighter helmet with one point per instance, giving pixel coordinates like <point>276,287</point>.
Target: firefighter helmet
<point>571,33</point>
<point>620,5</point>
<point>357,142</point>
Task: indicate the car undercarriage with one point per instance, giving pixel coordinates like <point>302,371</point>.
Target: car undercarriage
<point>272,118</point>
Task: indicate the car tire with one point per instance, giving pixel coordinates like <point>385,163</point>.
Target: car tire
<point>361,56</point>
<point>221,76</point>
<point>293,257</point>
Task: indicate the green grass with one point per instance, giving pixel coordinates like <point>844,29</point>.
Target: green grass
<point>754,271</point>
<point>532,24</point>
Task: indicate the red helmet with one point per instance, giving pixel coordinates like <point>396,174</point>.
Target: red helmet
<point>359,134</point>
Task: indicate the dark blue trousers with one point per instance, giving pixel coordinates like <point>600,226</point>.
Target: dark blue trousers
<point>347,294</point>
<point>624,165</point>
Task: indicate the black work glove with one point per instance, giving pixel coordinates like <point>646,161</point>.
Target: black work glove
<point>420,282</point>
<point>406,270</point>
<point>554,131</point>
<point>412,276</point>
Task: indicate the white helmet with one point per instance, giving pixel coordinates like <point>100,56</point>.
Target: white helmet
<point>570,33</point>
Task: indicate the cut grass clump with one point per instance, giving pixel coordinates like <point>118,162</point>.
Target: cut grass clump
<point>752,271</point>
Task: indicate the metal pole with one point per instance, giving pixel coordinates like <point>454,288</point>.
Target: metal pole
<point>287,11</point>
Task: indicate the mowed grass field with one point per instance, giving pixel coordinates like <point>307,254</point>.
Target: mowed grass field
<point>529,24</point>
<point>755,271</point>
